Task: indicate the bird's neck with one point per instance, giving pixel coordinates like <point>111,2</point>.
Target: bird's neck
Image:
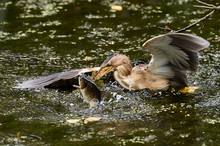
<point>124,70</point>
<point>121,74</point>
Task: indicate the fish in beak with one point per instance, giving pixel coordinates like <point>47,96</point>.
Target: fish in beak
<point>105,68</point>
<point>89,90</point>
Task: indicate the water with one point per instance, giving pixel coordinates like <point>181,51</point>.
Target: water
<point>44,37</point>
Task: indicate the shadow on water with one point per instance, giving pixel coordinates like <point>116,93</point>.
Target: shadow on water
<point>44,37</point>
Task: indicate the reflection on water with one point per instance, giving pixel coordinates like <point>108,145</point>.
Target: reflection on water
<point>43,37</point>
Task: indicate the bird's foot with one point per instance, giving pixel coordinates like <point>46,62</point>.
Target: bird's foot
<point>189,89</point>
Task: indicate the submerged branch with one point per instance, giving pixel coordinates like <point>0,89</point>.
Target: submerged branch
<point>193,24</point>
<point>203,5</point>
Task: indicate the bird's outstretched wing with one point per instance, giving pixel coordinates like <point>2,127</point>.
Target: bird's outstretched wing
<point>61,81</point>
<point>173,54</point>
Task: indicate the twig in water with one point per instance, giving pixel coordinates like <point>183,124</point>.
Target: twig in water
<point>193,24</point>
<point>204,5</point>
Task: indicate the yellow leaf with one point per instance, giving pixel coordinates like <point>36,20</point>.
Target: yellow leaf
<point>189,89</point>
<point>73,121</point>
<point>116,8</point>
<point>92,119</point>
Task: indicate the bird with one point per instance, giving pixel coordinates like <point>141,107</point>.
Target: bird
<point>173,54</point>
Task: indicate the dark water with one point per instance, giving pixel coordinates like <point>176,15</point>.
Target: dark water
<point>41,37</point>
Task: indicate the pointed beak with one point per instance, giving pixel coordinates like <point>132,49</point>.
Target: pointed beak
<point>105,67</point>
<point>103,71</point>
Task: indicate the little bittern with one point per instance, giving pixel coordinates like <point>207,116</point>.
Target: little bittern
<point>172,55</point>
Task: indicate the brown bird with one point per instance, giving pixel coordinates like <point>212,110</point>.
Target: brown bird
<point>172,55</point>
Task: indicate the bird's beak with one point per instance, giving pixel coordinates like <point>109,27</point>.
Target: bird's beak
<point>105,67</point>
<point>103,71</point>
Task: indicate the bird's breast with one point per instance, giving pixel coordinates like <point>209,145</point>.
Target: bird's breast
<point>128,82</point>
<point>142,80</point>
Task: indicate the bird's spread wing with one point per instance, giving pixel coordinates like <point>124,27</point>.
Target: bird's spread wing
<point>62,81</point>
<point>173,54</point>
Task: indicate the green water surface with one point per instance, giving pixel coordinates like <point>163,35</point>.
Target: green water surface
<point>42,37</point>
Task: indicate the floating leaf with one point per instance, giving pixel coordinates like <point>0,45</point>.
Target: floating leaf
<point>92,119</point>
<point>116,8</point>
<point>73,121</point>
<point>189,89</point>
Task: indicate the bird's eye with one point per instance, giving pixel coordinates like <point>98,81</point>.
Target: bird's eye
<point>146,67</point>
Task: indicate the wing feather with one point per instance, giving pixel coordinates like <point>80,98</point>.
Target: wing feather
<point>173,54</point>
<point>62,81</point>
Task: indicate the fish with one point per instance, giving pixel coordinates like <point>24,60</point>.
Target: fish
<point>89,90</point>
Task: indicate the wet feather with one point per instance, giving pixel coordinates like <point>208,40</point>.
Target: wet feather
<point>62,81</point>
<point>172,55</point>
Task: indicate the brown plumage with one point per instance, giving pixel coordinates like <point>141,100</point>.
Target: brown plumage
<point>172,55</point>
<point>63,81</point>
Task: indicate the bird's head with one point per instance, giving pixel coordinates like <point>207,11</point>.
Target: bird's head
<point>115,62</point>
